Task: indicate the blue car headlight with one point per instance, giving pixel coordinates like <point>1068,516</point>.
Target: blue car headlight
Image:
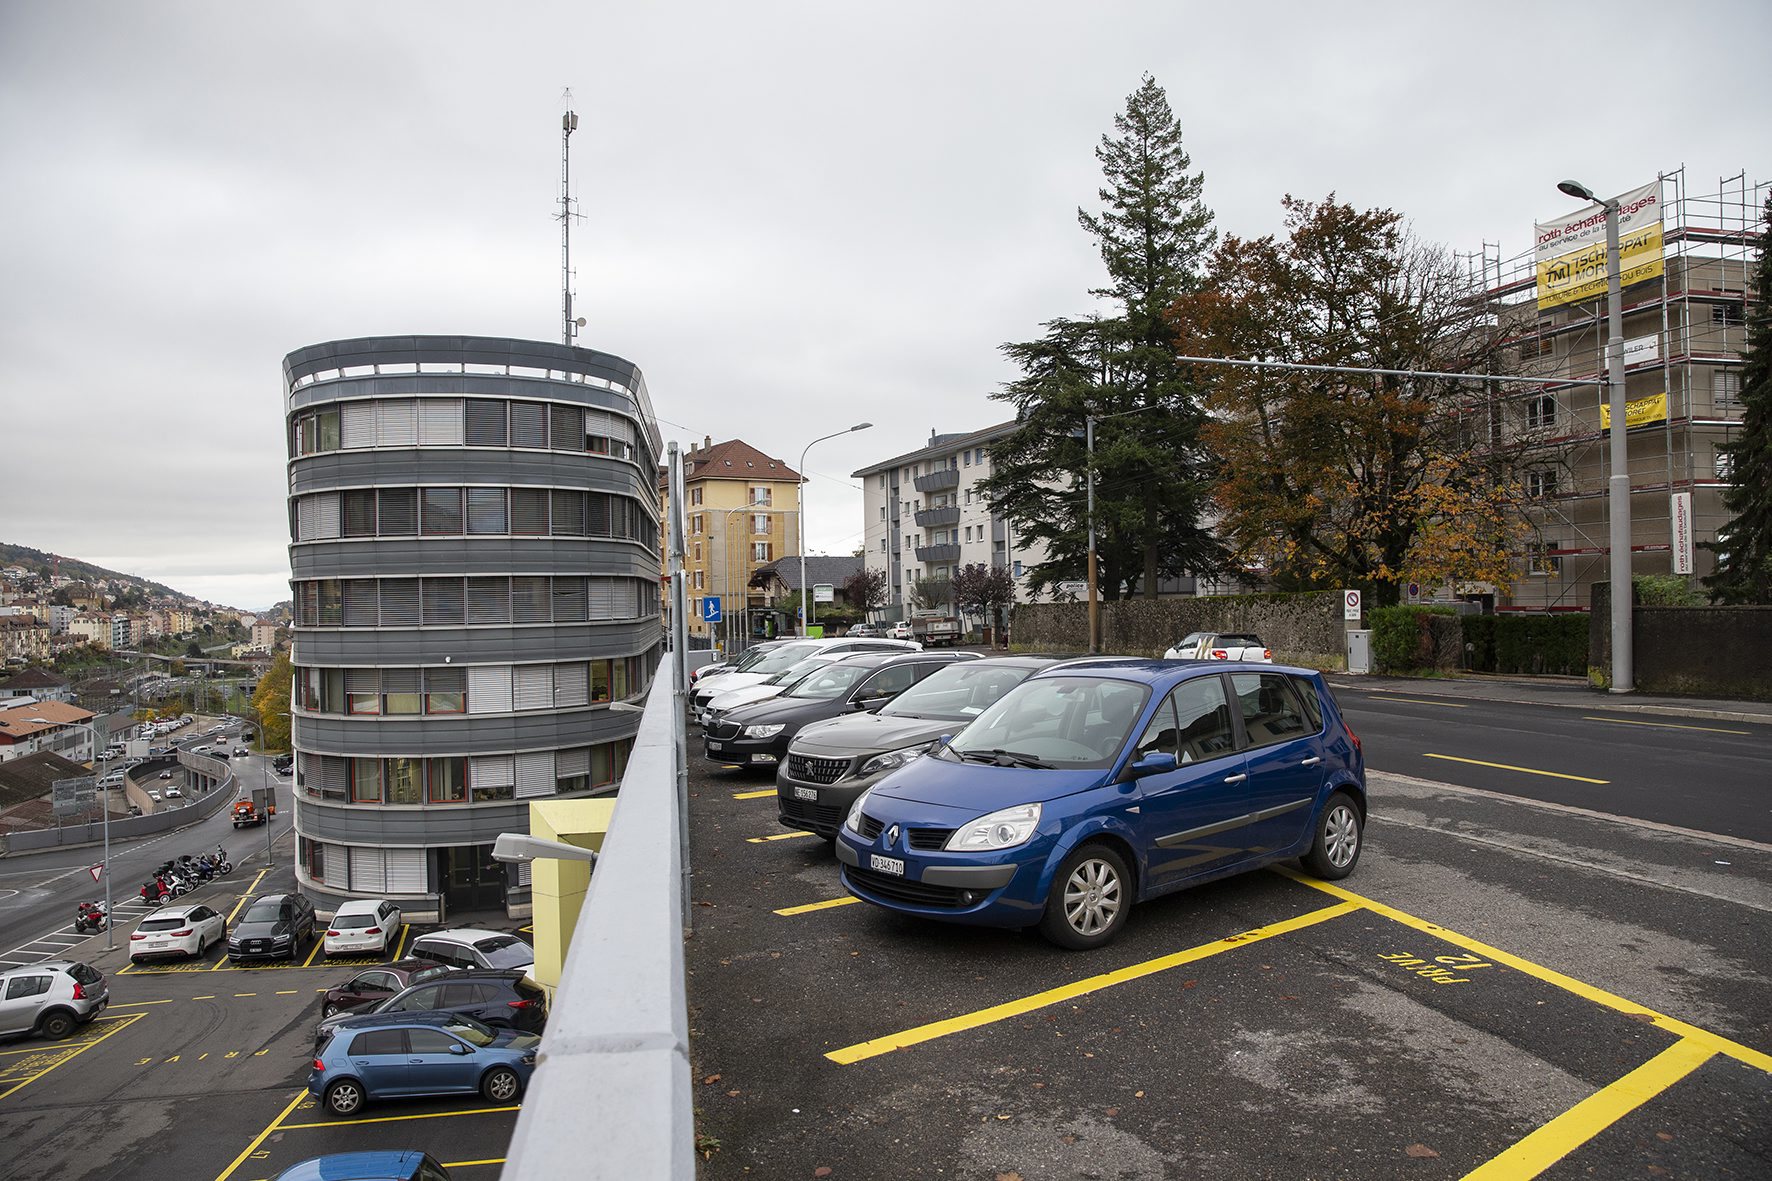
<point>894,758</point>
<point>762,731</point>
<point>1000,830</point>
<point>853,822</point>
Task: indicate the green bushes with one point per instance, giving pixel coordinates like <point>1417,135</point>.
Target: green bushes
<point>1406,639</point>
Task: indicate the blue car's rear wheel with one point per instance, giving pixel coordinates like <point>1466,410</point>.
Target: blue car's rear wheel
<point>1089,897</point>
<point>1336,848</point>
<point>344,1097</point>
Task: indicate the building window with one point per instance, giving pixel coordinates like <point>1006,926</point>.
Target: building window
<point>968,459</point>
<point>1540,561</point>
<point>882,545</point>
<point>760,524</point>
<point>448,780</point>
<point>1727,314</point>
<point>440,512</point>
<point>1541,411</point>
<point>760,551</point>
<point>760,494</point>
<point>1725,390</point>
<point>404,781</point>
<point>1535,347</point>
<point>366,781</point>
<point>446,691</point>
<point>1723,464</point>
<point>1541,482</point>
<point>695,494</point>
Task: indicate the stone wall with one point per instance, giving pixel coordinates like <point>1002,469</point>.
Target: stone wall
<point>1305,628</point>
<point>1690,651</point>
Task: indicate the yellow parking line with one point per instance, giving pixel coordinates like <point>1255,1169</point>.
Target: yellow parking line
<point>318,944</point>
<point>394,1119</point>
<point>753,795</point>
<point>289,991</point>
<point>1511,767</point>
<point>260,1138</point>
<point>791,911</point>
<point>205,997</point>
<point>1702,1037</point>
<point>136,1004</point>
<point>405,936</point>
<point>1555,1140</point>
<point>1667,725</point>
<point>72,1052</point>
<point>780,836</point>
<point>849,1055</point>
<point>468,1164</point>
<point>246,994</point>
<point>247,894</point>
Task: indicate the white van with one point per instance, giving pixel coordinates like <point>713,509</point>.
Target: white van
<point>114,779</point>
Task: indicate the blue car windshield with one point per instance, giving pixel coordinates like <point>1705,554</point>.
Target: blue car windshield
<point>1073,722</point>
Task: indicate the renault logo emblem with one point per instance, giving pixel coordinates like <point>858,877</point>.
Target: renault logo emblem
<point>892,835</point>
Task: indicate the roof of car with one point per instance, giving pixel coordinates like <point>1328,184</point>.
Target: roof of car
<point>418,1017</point>
<point>359,906</point>
<point>45,966</point>
<point>1129,668</point>
<point>171,911</point>
<point>376,1165</point>
<point>470,935</point>
<point>906,656</point>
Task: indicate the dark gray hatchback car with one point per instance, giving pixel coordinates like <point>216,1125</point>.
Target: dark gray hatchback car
<point>829,763</point>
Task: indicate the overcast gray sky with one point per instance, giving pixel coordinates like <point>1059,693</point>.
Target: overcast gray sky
<point>797,216</point>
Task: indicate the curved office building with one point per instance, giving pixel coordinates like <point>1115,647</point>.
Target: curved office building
<point>474,552</point>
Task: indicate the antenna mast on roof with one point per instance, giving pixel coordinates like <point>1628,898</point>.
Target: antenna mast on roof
<point>568,124</point>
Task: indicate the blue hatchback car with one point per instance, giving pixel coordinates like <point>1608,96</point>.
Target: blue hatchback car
<point>389,1055</point>
<point>1092,786</point>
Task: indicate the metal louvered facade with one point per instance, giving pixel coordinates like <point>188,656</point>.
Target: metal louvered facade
<point>474,530</point>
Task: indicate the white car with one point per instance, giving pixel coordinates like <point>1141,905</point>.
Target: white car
<point>468,947</point>
<point>363,924</point>
<point>173,793</point>
<point>781,658</point>
<point>785,679</point>
<point>900,631</point>
<point>1221,646</point>
<point>166,774</point>
<point>178,930</point>
<point>153,793</point>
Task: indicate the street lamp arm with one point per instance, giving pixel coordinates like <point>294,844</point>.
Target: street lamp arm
<point>805,590</point>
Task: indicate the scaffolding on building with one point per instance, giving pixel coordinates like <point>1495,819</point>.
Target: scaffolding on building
<point>1685,332</point>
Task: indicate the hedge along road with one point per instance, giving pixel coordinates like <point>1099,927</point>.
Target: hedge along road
<point>1692,773</point>
<point>1506,987</point>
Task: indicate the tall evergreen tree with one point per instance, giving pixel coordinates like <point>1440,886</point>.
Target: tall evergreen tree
<point>1744,545</point>
<point>1153,234</point>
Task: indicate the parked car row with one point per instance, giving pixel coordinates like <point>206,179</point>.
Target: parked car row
<point>1018,791</point>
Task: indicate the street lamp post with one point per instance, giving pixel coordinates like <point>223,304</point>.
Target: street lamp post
<point>1094,594</point>
<point>1618,486</point>
<point>805,590</point>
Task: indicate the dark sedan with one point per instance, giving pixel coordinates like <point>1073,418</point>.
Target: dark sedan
<point>758,734</point>
<point>374,985</point>
<point>505,999</point>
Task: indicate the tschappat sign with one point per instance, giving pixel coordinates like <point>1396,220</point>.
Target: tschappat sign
<point>1571,251</point>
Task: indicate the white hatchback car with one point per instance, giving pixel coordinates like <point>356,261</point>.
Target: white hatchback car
<point>178,930</point>
<point>363,924</point>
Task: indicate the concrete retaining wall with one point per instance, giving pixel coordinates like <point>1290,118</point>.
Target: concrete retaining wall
<point>166,820</point>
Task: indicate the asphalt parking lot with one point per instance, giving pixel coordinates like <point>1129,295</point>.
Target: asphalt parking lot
<point>1594,1005</point>
<point>198,1069</point>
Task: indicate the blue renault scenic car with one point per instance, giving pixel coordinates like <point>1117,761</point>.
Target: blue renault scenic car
<point>1093,786</point>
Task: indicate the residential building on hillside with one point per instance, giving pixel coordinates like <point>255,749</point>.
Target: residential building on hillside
<point>23,638</point>
<point>741,512</point>
<point>94,629</point>
<point>264,635</point>
<point>474,552</point>
<point>60,615</point>
<point>926,517</point>
<point>1684,330</point>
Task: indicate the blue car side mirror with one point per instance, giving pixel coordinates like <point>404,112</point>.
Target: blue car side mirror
<point>1155,763</point>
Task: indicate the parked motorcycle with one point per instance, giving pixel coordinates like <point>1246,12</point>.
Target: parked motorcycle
<point>89,917</point>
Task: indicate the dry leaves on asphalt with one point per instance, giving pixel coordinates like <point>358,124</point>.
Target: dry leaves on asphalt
<point>1420,1152</point>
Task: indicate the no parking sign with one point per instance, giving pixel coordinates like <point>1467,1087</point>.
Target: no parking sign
<point>1350,604</point>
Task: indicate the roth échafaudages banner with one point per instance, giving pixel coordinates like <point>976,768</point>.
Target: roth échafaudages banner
<point>1571,251</point>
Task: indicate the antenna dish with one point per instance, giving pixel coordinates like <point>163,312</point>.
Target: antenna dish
<point>580,321</point>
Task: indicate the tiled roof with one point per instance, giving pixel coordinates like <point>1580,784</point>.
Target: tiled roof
<point>33,678</point>
<point>819,568</point>
<point>734,459</point>
<point>33,775</point>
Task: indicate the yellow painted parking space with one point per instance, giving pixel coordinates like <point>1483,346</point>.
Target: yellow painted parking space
<point>780,836</point>
<point>396,1119</point>
<point>828,904</point>
<point>753,795</point>
<point>21,1072</point>
<point>1668,726</point>
<point>248,894</point>
<point>1557,1139</point>
<point>259,1139</point>
<point>849,1055</point>
<point>1511,767</point>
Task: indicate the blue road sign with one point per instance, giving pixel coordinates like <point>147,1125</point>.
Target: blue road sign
<point>710,609</point>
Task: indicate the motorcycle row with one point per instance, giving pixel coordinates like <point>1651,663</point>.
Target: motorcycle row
<point>172,879</point>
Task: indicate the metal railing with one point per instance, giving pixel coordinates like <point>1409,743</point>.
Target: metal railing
<point>610,1097</point>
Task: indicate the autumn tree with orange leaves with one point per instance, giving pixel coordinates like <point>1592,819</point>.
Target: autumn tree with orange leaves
<point>1336,479</point>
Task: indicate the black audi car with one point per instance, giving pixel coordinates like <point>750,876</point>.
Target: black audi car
<point>758,734</point>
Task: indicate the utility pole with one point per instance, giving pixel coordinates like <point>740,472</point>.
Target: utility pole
<point>568,326</point>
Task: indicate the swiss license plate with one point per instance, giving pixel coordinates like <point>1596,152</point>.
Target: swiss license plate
<point>891,865</point>
<point>806,793</point>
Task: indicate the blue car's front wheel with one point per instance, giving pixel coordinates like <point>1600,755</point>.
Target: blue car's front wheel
<point>1087,903</point>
